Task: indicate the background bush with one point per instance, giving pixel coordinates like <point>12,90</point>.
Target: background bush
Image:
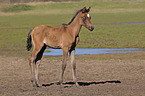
<point>27,1</point>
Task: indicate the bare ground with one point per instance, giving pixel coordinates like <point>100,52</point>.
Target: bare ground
<point>106,77</point>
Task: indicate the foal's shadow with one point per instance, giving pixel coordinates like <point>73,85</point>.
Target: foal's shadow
<point>70,84</point>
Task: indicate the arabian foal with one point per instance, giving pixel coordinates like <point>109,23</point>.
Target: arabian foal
<point>65,37</point>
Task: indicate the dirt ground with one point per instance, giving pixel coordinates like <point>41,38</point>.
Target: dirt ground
<point>106,77</point>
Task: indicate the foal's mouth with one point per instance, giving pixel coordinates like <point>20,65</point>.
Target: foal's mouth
<point>91,28</point>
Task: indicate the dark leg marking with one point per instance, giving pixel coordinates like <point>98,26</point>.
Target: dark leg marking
<point>39,55</point>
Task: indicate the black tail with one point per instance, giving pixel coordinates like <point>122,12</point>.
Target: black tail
<point>29,39</point>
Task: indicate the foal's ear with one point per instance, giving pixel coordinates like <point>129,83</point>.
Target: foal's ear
<point>87,10</point>
<point>84,10</point>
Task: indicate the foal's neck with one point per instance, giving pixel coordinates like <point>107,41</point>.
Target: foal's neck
<point>75,26</point>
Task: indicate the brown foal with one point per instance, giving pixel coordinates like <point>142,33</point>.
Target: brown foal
<point>65,37</point>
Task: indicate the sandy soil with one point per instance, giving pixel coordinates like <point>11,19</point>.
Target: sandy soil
<point>114,77</point>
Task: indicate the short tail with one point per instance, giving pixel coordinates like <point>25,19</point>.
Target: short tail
<point>29,41</point>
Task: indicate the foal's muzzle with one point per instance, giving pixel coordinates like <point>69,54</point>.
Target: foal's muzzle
<point>91,28</point>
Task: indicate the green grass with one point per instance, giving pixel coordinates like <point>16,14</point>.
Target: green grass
<point>114,36</point>
<point>15,23</point>
<point>16,8</point>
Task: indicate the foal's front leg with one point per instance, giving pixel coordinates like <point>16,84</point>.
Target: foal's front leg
<point>64,59</point>
<point>73,67</point>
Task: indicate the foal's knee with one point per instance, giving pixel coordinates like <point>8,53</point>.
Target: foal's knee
<point>63,66</point>
<point>74,64</point>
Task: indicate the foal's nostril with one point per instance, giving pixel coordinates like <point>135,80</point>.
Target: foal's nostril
<point>91,28</point>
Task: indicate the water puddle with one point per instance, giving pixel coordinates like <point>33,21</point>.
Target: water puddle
<point>84,51</point>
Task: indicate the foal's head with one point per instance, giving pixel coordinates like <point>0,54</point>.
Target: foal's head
<point>86,19</point>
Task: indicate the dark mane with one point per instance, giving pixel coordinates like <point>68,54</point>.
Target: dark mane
<point>74,17</point>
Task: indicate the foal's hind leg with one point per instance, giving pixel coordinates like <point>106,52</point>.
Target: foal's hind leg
<point>32,62</point>
<point>32,67</point>
<point>37,63</point>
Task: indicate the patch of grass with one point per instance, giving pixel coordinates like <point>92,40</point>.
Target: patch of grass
<point>16,8</point>
<point>15,25</point>
<point>13,42</point>
<point>113,36</point>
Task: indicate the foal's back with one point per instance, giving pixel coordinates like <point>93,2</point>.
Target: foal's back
<point>52,36</point>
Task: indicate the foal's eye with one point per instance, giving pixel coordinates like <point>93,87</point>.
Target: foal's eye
<point>84,18</point>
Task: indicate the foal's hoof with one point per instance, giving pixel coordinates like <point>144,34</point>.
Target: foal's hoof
<point>32,80</point>
<point>38,85</point>
<point>58,83</point>
<point>77,85</point>
<point>34,85</point>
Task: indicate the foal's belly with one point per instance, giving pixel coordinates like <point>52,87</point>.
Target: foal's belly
<point>53,43</point>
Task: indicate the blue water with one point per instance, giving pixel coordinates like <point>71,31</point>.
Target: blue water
<point>83,51</point>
